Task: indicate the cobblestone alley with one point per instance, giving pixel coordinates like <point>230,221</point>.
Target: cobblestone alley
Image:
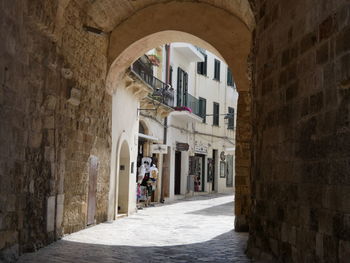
<point>199,229</point>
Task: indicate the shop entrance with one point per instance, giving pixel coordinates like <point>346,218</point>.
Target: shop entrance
<point>230,167</point>
<point>123,179</point>
<point>199,172</point>
<point>177,172</point>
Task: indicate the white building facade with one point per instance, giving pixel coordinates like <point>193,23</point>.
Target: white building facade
<point>184,111</point>
<point>203,83</point>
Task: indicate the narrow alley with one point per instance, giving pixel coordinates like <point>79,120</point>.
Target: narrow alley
<point>199,229</point>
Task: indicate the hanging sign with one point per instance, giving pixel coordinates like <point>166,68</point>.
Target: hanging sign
<point>202,149</point>
<point>182,147</point>
<point>159,148</point>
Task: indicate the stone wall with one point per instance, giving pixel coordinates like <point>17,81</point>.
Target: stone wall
<point>301,190</point>
<point>54,114</point>
<point>243,162</point>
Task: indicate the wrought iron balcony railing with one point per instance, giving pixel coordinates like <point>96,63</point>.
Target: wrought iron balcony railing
<point>187,101</point>
<point>163,92</point>
<point>193,103</point>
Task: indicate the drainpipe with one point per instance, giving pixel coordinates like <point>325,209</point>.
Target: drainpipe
<point>165,131</point>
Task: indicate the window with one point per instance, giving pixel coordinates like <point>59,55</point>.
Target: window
<point>182,87</point>
<point>202,108</point>
<point>231,118</point>
<point>216,69</point>
<point>171,75</point>
<point>230,81</point>
<point>216,114</point>
<point>202,66</point>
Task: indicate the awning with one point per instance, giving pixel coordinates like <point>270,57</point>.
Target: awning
<point>148,137</point>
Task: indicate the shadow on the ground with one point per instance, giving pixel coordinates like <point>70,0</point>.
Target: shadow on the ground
<point>228,247</point>
<point>219,210</point>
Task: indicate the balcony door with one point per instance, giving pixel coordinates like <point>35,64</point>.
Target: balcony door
<point>182,87</point>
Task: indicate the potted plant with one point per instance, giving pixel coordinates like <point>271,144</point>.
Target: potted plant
<point>154,59</point>
<point>183,108</point>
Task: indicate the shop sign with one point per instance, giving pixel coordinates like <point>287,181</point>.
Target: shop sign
<point>202,149</point>
<point>159,148</point>
<point>182,147</point>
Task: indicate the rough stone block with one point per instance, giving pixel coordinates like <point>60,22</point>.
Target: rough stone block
<point>343,71</point>
<point>75,96</point>
<point>35,139</point>
<point>50,102</point>
<point>292,91</point>
<point>60,209</point>
<point>49,122</point>
<point>2,222</point>
<point>319,245</point>
<point>322,53</point>
<point>344,251</point>
<point>342,41</point>
<point>330,251</point>
<point>11,203</point>
<point>50,213</point>
<point>9,254</point>
<point>307,42</point>
<point>327,28</point>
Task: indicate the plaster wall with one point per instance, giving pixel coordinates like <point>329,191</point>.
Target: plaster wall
<point>177,132</point>
<point>125,124</point>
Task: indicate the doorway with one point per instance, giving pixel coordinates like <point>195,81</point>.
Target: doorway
<point>93,170</point>
<point>177,173</point>
<point>123,179</point>
<point>230,169</point>
<point>200,171</point>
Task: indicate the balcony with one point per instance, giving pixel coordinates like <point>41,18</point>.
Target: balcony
<point>162,92</point>
<point>189,52</point>
<point>193,104</point>
<point>189,110</point>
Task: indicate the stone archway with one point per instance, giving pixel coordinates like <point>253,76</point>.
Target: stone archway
<point>231,40</point>
<point>57,71</point>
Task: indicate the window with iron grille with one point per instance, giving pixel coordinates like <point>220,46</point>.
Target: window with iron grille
<point>216,110</point>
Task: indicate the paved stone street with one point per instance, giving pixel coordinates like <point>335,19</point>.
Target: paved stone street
<point>192,230</point>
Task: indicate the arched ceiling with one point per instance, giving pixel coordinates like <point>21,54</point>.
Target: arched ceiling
<point>107,14</point>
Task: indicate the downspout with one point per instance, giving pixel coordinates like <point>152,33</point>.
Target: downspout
<point>165,131</point>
